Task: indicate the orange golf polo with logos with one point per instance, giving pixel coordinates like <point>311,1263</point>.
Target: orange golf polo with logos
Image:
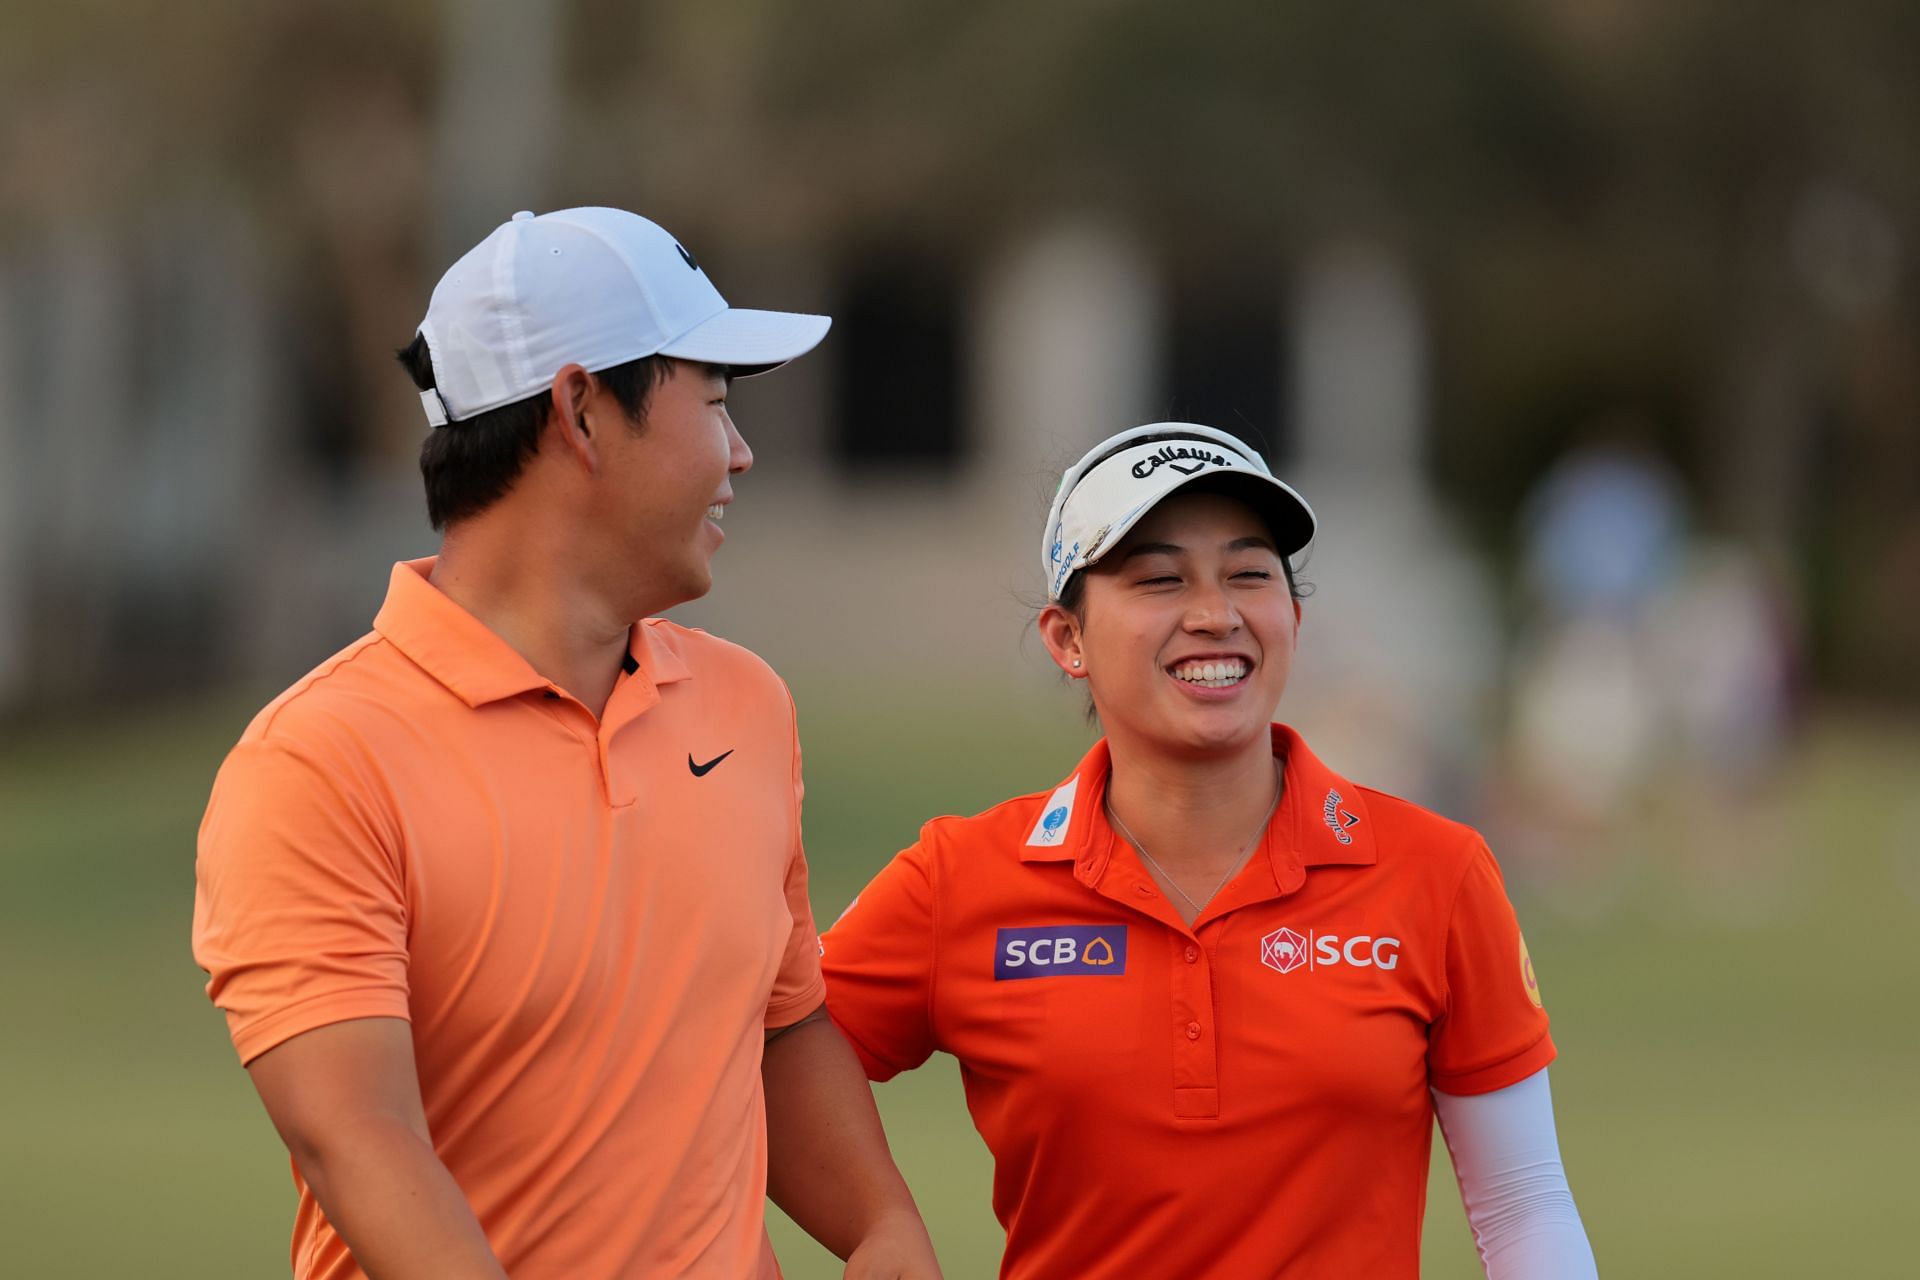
<point>1245,1097</point>
<point>588,923</point>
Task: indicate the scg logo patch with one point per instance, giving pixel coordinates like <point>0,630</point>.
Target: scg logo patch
<point>1283,950</point>
<point>1060,950</point>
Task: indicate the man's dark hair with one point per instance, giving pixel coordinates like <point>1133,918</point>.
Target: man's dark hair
<point>469,465</point>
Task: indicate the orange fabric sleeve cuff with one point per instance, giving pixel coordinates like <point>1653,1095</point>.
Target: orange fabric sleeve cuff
<point>1498,1075</point>
<point>784,1013</point>
<point>257,1035</point>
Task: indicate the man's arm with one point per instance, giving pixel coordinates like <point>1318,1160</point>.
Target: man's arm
<point>346,1100</point>
<point>828,1165</point>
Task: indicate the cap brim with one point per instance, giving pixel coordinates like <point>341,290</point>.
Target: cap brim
<point>750,342</point>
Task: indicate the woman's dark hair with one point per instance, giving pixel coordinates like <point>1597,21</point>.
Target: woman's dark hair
<point>469,465</point>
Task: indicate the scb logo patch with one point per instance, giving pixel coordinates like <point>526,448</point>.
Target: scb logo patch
<point>1060,950</point>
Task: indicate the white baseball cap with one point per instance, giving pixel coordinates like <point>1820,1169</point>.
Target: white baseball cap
<point>1125,476</point>
<point>593,287</point>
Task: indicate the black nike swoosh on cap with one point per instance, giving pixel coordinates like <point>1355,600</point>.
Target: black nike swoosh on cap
<point>702,770</point>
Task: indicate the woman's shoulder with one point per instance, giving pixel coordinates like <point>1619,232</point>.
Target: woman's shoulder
<point>1367,823</point>
<point>1404,816</point>
<point>1005,827</point>
<point>1404,831</point>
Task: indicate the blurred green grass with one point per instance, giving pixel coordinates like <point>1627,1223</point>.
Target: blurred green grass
<point>1734,1001</point>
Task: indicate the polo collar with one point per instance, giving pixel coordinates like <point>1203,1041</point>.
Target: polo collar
<point>1322,819</point>
<point>1073,820</point>
<point>459,651</point>
<point>656,648</point>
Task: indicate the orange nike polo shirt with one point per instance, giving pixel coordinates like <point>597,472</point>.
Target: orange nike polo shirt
<point>1247,1097</point>
<point>588,924</point>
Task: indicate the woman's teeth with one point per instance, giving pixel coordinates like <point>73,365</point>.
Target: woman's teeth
<point>1212,675</point>
<point>715,511</point>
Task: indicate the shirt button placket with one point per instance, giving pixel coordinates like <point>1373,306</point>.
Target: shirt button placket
<point>1196,1080</point>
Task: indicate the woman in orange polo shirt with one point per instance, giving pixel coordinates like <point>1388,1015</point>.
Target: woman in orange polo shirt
<point>1207,995</point>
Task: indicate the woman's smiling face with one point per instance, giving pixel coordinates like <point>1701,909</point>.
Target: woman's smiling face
<point>1185,630</point>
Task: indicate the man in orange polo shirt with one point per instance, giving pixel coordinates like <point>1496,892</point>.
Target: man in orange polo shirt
<point>505,902</point>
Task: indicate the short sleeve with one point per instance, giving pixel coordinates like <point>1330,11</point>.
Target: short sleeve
<point>879,965</point>
<point>1493,1032</point>
<point>797,988</point>
<point>299,914</point>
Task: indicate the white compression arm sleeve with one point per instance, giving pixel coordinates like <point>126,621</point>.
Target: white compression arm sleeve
<point>1507,1157</point>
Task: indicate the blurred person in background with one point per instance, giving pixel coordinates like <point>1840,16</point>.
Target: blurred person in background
<point>1723,645</point>
<point>1648,653</point>
<point>1605,530</point>
<point>1206,994</point>
<point>515,1002</point>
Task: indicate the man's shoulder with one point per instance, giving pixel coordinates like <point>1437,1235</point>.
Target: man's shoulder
<point>707,654</point>
<point>369,678</point>
<point>328,732</point>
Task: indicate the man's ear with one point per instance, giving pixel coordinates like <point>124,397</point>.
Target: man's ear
<point>572,395</point>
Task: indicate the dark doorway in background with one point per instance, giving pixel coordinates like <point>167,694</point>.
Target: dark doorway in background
<point>1226,365</point>
<point>897,325</point>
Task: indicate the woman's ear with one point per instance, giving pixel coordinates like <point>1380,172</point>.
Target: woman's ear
<point>1060,632</point>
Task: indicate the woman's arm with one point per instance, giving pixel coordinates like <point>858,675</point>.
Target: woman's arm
<point>1507,1157</point>
<point>878,962</point>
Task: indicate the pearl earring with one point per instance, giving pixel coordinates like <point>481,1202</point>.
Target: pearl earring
<point>1076,664</point>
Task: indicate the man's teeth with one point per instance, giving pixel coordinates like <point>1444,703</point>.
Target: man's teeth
<point>715,511</point>
<point>1212,675</point>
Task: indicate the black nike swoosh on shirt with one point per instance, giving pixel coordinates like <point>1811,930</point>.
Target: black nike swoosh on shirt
<point>701,770</point>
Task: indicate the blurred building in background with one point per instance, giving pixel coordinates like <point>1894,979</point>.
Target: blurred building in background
<point>1415,254</point>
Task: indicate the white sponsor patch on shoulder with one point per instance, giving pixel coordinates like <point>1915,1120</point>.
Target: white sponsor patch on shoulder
<point>1055,816</point>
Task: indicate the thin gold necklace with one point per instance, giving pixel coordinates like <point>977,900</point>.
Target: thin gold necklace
<point>1239,860</point>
